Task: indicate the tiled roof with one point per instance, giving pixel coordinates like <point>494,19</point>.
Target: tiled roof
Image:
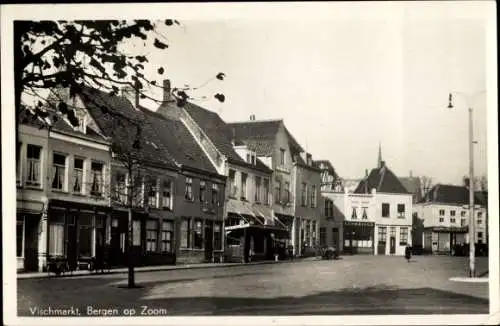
<point>176,138</point>
<point>412,184</point>
<point>325,164</point>
<point>450,194</point>
<point>119,110</point>
<point>25,117</point>
<point>383,180</point>
<point>215,128</point>
<point>260,136</point>
<point>220,134</point>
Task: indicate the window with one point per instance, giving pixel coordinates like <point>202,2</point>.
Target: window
<point>313,196</point>
<point>385,210</point>
<point>202,191</point>
<point>393,231</point>
<point>287,192</point>
<point>277,195</point>
<point>244,186</point>
<point>452,213</point>
<point>401,210</point>
<point>364,215</point>
<point>151,235</point>
<point>185,233</point>
<point>403,236</point>
<point>303,194</point>
<point>233,190</point>
<point>479,221</point>
<point>328,208</point>
<point>480,235</point>
<point>56,231</point>
<point>463,222</point>
<point>20,236</point>
<point>85,235</point>
<point>266,191</point>
<point>479,214</point>
<point>314,235</point>
<point>249,160</point>
<point>167,194</point>
<point>136,233</point>
<point>257,189</point>
<point>441,212</point>
<point>96,178</point>
<point>354,214</point>
<point>462,213</point>
<point>217,236</point>
<point>215,194</point>
<point>282,156</point>
<point>322,236</point>
<point>120,188</point>
<point>78,175</point>
<point>452,220</point>
<point>18,162</point>
<point>34,165</point>
<point>58,171</point>
<point>307,226</point>
<point>382,234</point>
<point>188,194</point>
<point>441,219</point>
<point>167,231</point>
<point>198,234</point>
<point>153,193</point>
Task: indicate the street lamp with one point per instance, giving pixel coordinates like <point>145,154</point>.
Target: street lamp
<point>472,228</point>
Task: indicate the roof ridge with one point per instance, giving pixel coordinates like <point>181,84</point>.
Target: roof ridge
<point>254,121</point>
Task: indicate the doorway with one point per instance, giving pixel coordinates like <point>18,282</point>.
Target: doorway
<point>393,245</point>
<point>209,238</point>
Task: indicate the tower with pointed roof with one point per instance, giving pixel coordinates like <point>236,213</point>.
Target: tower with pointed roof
<point>379,161</point>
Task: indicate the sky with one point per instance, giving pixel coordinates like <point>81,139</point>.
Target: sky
<point>344,78</point>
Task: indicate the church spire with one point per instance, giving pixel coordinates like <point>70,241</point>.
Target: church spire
<point>379,161</point>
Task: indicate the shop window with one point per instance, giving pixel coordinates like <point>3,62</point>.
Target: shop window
<point>56,234</point>
<point>198,234</point>
<point>322,236</point>
<point>167,232</point>
<point>151,235</point>
<point>136,233</point>
<point>185,233</point>
<point>382,235</point>
<point>403,236</point>
<point>217,236</point>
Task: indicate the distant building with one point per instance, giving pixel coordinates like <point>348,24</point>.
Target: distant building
<point>413,185</point>
<point>377,214</point>
<point>442,218</point>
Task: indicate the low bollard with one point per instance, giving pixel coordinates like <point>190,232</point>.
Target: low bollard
<point>276,258</point>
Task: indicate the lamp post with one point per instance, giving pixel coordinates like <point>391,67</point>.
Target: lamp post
<point>472,228</point>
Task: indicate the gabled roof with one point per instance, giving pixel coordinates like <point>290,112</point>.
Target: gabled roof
<point>178,141</point>
<point>325,165</point>
<point>450,194</point>
<point>260,136</point>
<point>412,184</point>
<point>220,134</point>
<point>383,180</point>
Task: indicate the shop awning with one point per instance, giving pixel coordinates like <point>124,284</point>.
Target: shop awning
<point>238,230</point>
<point>456,229</point>
<point>284,219</point>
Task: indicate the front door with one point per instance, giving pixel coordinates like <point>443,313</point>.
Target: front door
<point>209,247</point>
<point>393,245</point>
<point>31,243</point>
<point>381,248</point>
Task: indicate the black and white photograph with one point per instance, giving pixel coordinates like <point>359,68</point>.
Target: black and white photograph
<point>284,163</point>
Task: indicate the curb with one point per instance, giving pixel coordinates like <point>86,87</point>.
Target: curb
<point>157,269</point>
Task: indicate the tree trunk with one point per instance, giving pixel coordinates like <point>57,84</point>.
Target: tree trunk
<point>130,240</point>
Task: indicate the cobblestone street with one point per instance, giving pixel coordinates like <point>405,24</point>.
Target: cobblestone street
<point>352,285</point>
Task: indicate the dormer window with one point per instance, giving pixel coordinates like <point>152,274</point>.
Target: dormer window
<point>82,121</point>
<point>251,158</point>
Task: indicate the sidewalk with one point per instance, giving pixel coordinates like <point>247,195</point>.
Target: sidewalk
<point>35,275</point>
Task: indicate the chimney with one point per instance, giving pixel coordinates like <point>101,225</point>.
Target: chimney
<point>252,117</point>
<point>233,139</point>
<point>411,174</point>
<point>167,96</point>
